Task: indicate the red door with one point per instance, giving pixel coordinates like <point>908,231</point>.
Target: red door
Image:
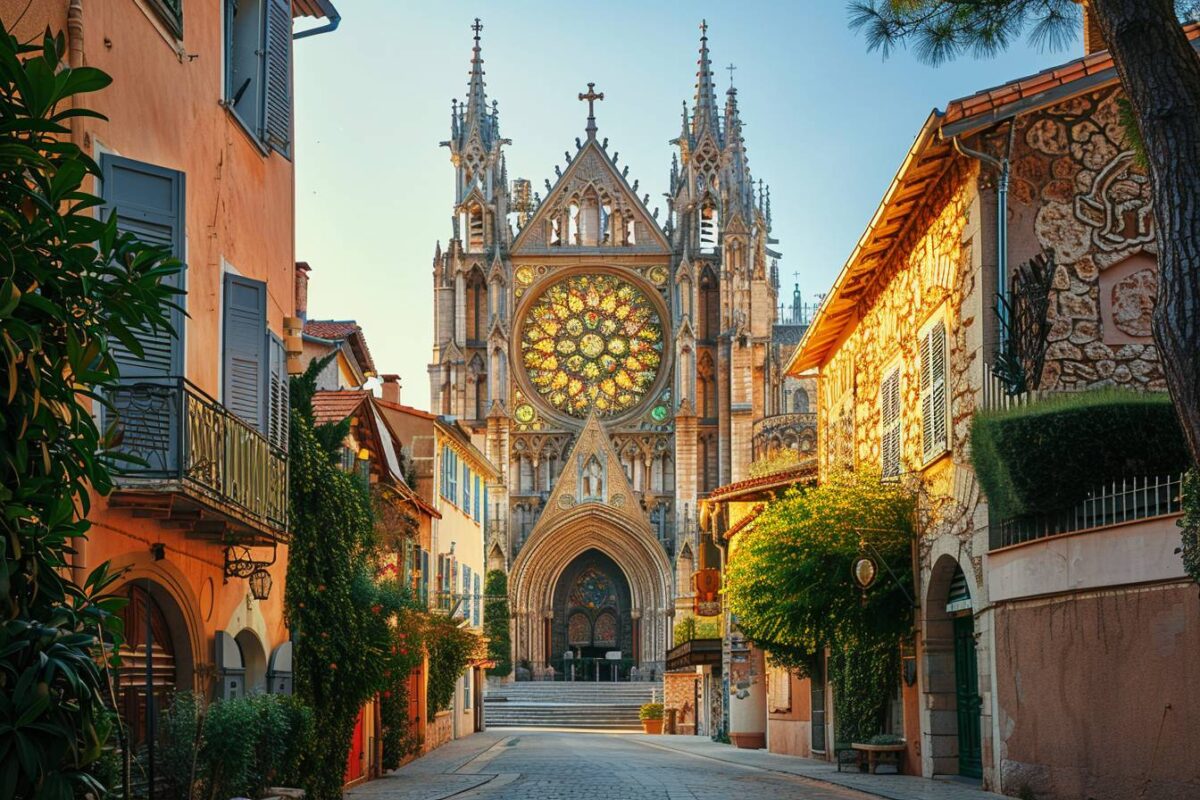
<point>354,764</point>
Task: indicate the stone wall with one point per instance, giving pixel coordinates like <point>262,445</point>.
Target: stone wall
<point>680,690</point>
<point>1077,190</point>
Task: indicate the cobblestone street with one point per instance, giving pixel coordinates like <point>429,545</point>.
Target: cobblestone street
<point>550,765</point>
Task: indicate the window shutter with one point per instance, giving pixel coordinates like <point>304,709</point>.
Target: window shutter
<point>937,349</point>
<point>889,408</point>
<point>933,391</point>
<point>278,394</point>
<point>246,366</point>
<point>149,203</point>
<point>277,100</point>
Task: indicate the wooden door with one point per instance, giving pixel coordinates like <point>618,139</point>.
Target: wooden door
<point>140,677</point>
<point>966,681</point>
<point>354,762</point>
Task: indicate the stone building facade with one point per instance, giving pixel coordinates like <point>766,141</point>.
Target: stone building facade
<point>904,346</point>
<point>611,365</point>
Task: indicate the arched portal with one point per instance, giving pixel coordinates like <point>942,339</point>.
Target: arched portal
<point>591,608</point>
<point>156,656</point>
<point>591,541</point>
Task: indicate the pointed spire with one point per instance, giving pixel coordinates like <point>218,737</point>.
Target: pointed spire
<point>476,114</point>
<point>705,116</point>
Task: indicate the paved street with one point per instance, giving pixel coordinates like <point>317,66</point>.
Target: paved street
<point>550,765</point>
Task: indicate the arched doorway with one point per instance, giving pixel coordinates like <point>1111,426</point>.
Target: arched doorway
<point>156,659</point>
<point>592,612</point>
<point>952,672</point>
<point>254,661</point>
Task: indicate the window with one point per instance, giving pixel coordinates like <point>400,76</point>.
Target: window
<point>889,422</point>
<point>467,689</point>
<point>258,70</point>
<point>478,501</point>
<point>478,598</point>
<point>934,438</point>
<point>708,229</point>
<point>466,489</point>
<point>171,13</point>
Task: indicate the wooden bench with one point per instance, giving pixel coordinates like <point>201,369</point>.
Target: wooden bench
<point>872,755</point>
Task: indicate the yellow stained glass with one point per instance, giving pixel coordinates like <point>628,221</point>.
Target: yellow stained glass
<point>611,332</point>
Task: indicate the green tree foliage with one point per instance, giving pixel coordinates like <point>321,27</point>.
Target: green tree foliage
<point>691,627</point>
<point>1190,523</point>
<point>450,649</point>
<point>791,587</point>
<point>495,622</point>
<point>69,284</point>
<point>354,634</point>
<point>399,732</point>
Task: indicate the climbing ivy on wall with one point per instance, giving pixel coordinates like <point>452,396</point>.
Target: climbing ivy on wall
<point>1191,524</point>
<point>450,649</point>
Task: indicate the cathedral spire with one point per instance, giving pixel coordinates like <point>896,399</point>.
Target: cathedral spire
<point>476,115</point>
<point>741,184</point>
<point>705,116</point>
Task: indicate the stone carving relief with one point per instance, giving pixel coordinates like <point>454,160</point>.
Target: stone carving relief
<point>1133,302</point>
<point>1118,209</point>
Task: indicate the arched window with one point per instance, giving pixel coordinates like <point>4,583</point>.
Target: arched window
<point>708,228</point>
<point>589,221</point>
<point>573,225</point>
<point>800,401</point>
<point>706,387</point>
<point>475,229</point>
<point>710,306</point>
<point>477,307</point>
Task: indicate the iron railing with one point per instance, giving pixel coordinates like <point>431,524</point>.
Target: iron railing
<point>1124,500</point>
<point>778,432</point>
<point>183,440</point>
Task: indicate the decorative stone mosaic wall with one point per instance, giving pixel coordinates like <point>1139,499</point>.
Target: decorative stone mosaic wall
<point>1076,190</point>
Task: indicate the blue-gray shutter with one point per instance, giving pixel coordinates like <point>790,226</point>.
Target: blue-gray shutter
<point>277,394</point>
<point>277,99</point>
<point>245,365</point>
<point>149,203</point>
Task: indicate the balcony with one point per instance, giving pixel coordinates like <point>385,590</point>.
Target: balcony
<point>1115,503</point>
<point>694,653</point>
<point>796,432</point>
<point>198,466</point>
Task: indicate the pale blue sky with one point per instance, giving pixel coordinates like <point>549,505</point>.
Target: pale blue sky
<point>826,125</point>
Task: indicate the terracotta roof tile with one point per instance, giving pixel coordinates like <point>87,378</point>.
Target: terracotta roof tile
<point>335,406</point>
<point>338,329</point>
<point>806,468</point>
<point>741,524</point>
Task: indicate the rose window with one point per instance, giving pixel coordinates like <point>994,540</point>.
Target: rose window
<point>592,342</point>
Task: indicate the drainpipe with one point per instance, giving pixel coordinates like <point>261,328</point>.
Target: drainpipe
<point>334,18</point>
<point>1001,165</point>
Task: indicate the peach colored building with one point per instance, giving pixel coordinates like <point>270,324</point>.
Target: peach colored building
<point>197,153</point>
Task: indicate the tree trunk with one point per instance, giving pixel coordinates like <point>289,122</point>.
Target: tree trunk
<point>1160,72</point>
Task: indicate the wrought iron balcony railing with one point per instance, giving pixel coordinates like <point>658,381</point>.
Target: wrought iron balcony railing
<point>778,432</point>
<point>1114,503</point>
<point>189,446</point>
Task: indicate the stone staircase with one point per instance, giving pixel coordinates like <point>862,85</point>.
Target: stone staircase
<point>561,704</point>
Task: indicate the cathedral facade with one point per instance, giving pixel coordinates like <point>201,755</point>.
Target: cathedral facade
<point>611,365</point>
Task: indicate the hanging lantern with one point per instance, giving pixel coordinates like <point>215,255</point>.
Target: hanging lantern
<point>260,584</point>
<point>864,572</point>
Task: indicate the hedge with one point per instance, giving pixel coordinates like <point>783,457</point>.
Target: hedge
<point>1047,456</point>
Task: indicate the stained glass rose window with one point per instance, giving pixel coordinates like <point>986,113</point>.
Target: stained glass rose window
<point>592,342</point>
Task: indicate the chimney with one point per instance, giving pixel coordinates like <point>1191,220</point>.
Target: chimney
<point>302,270</point>
<point>390,391</point>
<point>1093,37</point>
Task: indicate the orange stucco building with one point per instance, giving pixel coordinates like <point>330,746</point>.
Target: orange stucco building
<point>196,153</point>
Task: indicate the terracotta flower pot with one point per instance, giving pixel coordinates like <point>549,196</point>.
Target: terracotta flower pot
<point>652,726</point>
<point>748,741</point>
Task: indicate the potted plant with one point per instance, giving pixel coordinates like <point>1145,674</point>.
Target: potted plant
<point>651,715</point>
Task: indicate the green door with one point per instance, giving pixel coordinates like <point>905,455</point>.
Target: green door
<point>966,682</point>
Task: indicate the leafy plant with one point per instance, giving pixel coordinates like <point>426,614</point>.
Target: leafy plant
<point>232,728</point>
<point>181,731</point>
<point>651,711</point>
<point>450,649</point>
<point>1046,456</point>
<point>1190,523</point>
<point>691,627</point>
<point>69,284</point>
<point>495,623</point>
<point>864,674</point>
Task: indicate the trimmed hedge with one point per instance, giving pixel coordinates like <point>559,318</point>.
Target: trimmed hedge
<point>1047,456</point>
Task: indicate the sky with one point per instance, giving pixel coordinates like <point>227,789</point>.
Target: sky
<point>826,125</point>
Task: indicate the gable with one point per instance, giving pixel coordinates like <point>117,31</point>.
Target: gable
<point>581,483</point>
<point>591,174</point>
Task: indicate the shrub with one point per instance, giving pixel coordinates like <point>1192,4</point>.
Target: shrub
<point>495,623</point>
<point>691,627</point>
<point>1047,456</point>
<point>1190,523</point>
<point>231,731</point>
<point>450,649</point>
<point>651,711</point>
<point>181,739</point>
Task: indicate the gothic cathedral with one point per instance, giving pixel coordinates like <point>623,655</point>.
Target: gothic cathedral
<point>610,365</point>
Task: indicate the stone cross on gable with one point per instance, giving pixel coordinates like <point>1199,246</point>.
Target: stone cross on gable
<point>591,96</point>
<point>477,27</point>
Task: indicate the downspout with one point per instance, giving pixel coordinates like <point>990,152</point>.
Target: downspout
<point>335,19</point>
<point>1002,166</point>
<point>78,138</point>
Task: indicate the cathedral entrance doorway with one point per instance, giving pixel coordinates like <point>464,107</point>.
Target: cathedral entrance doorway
<point>592,629</point>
